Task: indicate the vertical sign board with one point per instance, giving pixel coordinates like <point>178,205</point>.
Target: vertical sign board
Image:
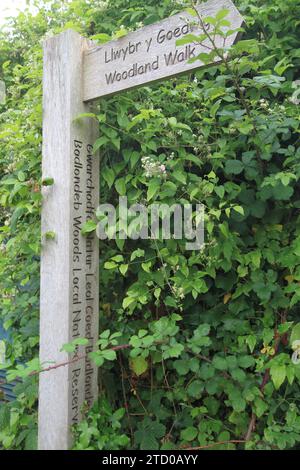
<point>76,72</point>
<point>69,265</point>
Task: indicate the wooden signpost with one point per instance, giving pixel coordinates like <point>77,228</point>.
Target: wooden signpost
<point>75,73</point>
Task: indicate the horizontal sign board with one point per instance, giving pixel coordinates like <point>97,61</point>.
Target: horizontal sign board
<point>151,53</point>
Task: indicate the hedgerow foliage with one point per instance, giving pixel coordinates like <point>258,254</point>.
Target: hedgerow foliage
<point>210,357</point>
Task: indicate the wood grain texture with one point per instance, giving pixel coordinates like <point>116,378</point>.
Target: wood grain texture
<point>150,54</point>
<point>69,265</point>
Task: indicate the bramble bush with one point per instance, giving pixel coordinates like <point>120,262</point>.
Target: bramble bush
<point>211,332</point>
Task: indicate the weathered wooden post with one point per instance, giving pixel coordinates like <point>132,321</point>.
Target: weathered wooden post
<point>75,73</point>
<point>69,265</point>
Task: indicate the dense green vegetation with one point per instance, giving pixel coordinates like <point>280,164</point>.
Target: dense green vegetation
<point>210,331</point>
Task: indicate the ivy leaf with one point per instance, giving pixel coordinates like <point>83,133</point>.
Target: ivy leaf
<point>239,210</point>
<point>137,254</point>
<point>109,176</point>
<point>120,186</point>
<point>100,142</point>
<point>123,269</point>
<point>110,265</point>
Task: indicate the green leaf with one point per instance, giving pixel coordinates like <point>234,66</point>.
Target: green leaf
<point>220,363</point>
<point>101,38</point>
<point>234,167</point>
<point>137,254</point>
<point>239,210</point>
<point>48,182</point>
<point>222,14</point>
<point>110,265</point>
<point>120,186</point>
<point>123,269</point>
<point>191,11</point>
<point>4,416</point>
<point>220,191</point>
<point>246,361</point>
<point>128,301</point>
<point>85,115</point>
<point>109,355</point>
<point>180,176</point>
<point>50,235</point>
<point>195,389</point>
<point>147,267</point>
<point>260,407</point>
<point>31,440</point>
<point>295,335</point>
<point>278,374</point>
<point>189,434</point>
<point>100,142</point>
<point>139,365</point>
<point>118,258</point>
<point>148,434</point>
<point>182,367</point>
<point>89,226</point>
<point>153,188</point>
<point>108,175</point>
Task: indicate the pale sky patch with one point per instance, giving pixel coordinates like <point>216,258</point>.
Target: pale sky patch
<point>10,8</point>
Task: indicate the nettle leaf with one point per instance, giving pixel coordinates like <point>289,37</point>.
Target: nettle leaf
<point>120,186</point>
<point>109,176</point>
